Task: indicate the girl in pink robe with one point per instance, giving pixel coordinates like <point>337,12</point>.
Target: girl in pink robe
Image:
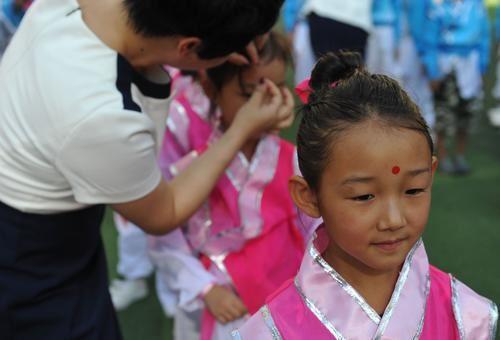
<point>248,238</point>
<point>367,160</point>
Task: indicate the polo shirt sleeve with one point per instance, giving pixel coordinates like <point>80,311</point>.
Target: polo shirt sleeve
<point>110,157</point>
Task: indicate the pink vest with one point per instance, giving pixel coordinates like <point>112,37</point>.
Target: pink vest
<point>426,304</point>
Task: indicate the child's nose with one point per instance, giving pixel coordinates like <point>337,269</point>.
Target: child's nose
<point>393,217</point>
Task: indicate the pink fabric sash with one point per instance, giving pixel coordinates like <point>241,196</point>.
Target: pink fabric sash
<point>292,317</point>
<point>254,275</point>
<point>439,321</point>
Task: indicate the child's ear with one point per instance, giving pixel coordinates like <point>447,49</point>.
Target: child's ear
<point>303,196</point>
<point>186,46</point>
<point>434,165</point>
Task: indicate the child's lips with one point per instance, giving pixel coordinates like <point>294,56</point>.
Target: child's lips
<point>391,244</point>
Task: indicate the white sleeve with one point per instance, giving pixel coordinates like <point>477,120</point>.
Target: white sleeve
<point>110,158</point>
<point>180,270</point>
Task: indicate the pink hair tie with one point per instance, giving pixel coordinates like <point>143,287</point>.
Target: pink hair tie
<point>303,90</point>
<point>334,84</point>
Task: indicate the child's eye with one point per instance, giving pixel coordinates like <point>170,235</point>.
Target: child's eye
<point>363,198</point>
<point>413,192</point>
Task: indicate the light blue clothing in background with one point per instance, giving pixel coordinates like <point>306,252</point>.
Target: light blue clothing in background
<point>291,13</point>
<point>386,12</point>
<point>449,27</point>
<point>10,18</point>
<point>497,22</point>
<point>11,14</point>
<point>389,13</point>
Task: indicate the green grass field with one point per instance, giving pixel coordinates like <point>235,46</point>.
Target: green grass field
<point>462,237</point>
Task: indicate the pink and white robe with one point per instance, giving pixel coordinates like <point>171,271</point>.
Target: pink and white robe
<point>248,235</point>
<point>319,304</point>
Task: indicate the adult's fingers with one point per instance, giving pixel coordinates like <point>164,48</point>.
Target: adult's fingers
<point>286,122</point>
<point>261,40</point>
<point>288,101</point>
<point>286,113</point>
<point>253,52</point>
<point>238,59</point>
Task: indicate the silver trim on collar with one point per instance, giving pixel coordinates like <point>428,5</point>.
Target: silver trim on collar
<point>321,317</point>
<point>421,323</point>
<point>403,276</point>
<point>268,320</point>
<point>493,320</point>
<point>456,308</point>
<point>372,314</point>
<point>236,335</point>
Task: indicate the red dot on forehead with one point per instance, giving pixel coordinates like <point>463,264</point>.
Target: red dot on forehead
<point>396,170</point>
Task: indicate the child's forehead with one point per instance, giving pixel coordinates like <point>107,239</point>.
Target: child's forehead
<point>365,147</point>
<point>273,70</point>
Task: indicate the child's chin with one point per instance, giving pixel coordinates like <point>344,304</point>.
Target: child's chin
<point>390,264</point>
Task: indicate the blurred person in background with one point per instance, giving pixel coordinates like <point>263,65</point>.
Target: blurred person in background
<point>11,13</point>
<point>297,29</point>
<point>391,50</point>
<point>382,49</point>
<point>494,113</point>
<point>411,70</point>
<point>134,265</point>
<point>338,24</point>
<point>453,38</point>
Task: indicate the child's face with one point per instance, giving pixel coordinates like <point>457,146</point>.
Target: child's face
<point>234,94</point>
<point>375,195</point>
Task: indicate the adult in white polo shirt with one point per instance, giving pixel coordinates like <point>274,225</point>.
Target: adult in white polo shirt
<point>338,24</point>
<point>82,105</point>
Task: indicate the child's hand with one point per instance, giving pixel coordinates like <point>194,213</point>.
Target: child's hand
<point>269,108</point>
<point>224,305</point>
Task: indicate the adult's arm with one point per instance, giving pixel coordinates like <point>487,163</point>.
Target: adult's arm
<point>171,204</point>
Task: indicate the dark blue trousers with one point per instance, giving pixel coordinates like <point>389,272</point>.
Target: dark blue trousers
<point>53,277</point>
<point>328,35</point>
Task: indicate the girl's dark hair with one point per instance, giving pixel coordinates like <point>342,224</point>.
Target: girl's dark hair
<point>224,26</point>
<point>276,47</point>
<point>343,94</point>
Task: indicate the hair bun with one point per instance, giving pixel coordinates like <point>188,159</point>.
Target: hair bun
<point>333,67</point>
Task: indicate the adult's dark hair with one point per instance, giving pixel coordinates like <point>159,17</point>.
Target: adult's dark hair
<point>344,94</point>
<point>224,26</point>
<point>276,47</point>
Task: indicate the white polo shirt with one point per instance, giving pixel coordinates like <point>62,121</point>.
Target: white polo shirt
<point>73,128</point>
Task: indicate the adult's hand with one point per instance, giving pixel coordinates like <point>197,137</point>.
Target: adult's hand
<point>268,109</point>
<point>252,50</point>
